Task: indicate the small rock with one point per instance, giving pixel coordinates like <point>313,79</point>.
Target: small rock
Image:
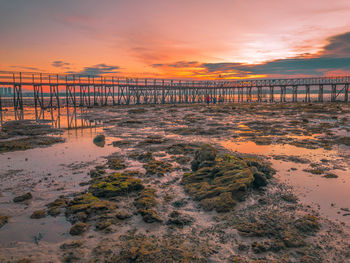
<point>3,220</point>
<point>22,198</point>
<point>78,229</point>
<point>99,140</point>
<point>178,219</point>
<point>122,214</point>
<point>259,179</point>
<point>73,244</point>
<point>38,214</point>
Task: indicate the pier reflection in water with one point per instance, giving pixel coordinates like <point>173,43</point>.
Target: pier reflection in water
<point>61,118</point>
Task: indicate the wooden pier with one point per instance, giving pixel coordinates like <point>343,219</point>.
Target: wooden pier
<point>57,90</point>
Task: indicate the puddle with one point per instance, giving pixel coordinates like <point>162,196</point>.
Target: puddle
<point>47,173</point>
<point>326,194</point>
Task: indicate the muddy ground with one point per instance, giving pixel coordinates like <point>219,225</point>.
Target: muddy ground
<point>180,183</point>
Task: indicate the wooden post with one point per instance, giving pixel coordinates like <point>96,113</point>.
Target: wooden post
<point>346,93</point>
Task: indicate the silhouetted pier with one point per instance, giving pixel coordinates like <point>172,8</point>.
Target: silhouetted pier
<point>70,90</point>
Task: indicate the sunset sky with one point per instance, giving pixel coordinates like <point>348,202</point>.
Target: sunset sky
<point>177,38</point>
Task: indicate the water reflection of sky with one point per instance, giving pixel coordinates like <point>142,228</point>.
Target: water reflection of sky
<point>64,118</point>
<point>327,195</point>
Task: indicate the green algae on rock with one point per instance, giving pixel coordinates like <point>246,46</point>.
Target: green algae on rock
<point>38,214</point>
<point>84,206</point>
<point>182,148</point>
<point>156,167</point>
<point>145,203</point>
<point>141,248</point>
<point>54,208</point>
<point>116,163</point>
<point>179,219</point>
<point>22,144</point>
<point>115,185</point>
<point>292,232</point>
<point>78,228</point>
<point>143,157</point>
<point>218,182</point>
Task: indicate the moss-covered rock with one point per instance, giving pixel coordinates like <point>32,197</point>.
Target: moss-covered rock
<point>143,157</point>
<point>116,163</point>
<point>307,224</point>
<point>23,144</point>
<point>182,148</point>
<point>78,228</point>
<point>157,168</point>
<point>38,214</point>
<point>204,157</point>
<point>22,198</point>
<point>97,172</point>
<point>84,206</point>
<point>55,207</point>
<point>145,203</point>
<point>179,219</point>
<point>282,228</point>
<point>115,185</point>
<point>142,249</point>
<point>218,182</point>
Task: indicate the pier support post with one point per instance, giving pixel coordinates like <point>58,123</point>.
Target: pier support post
<point>307,93</point>
<point>346,93</point>
<point>259,94</point>
<point>333,93</point>
<point>17,93</point>
<point>283,94</point>
<point>320,93</point>
<point>272,93</point>
<point>295,93</point>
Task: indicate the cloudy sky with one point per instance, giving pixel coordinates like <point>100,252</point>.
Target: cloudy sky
<point>177,38</point>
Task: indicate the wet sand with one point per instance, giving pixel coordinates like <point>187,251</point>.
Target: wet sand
<point>307,144</point>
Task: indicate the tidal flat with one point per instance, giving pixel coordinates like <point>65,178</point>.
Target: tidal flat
<point>176,183</point>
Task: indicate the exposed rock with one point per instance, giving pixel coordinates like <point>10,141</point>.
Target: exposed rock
<point>97,172</point>
<point>73,244</point>
<point>3,220</point>
<point>204,157</point>
<point>116,163</point>
<point>85,206</point>
<point>78,229</point>
<point>145,203</point>
<point>182,148</point>
<point>99,140</point>
<point>22,198</point>
<point>307,224</point>
<point>23,144</point>
<point>218,182</point>
<point>123,214</point>
<point>38,214</point>
<point>158,168</point>
<point>179,219</point>
<point>121,143</point>
<point>144,157</point>
<point>142,249</point>
<point>27,128</point>
<point>115,185</point>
